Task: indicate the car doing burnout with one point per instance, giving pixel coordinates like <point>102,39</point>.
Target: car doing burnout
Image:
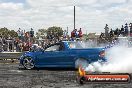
<point>62,54</point>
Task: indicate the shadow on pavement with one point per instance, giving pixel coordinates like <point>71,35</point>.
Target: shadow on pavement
<point>52,69</point>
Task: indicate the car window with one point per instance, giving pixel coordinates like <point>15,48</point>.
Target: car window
<point>36,49</point>
<point>39,49</point>
<point>82,45</point>
<point>53,48</point>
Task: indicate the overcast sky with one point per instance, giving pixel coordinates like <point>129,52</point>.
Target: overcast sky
<point>91,15</point>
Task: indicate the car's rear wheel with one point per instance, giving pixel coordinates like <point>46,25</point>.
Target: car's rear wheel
<point>81,62</point>
<point>28,63</point>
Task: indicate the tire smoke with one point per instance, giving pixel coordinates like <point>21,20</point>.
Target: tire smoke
<point>119,59</point>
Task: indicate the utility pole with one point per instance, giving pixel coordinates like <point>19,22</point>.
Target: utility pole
<point>67,30</point>
<point>74,18</point>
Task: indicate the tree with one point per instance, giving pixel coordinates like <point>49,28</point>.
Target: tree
<point>41,33</point>
<point>55,31</point>
<point>13,34</point>
<point>4,32</point>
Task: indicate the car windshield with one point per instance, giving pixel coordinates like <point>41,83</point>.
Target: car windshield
<point>36,48</point>
<point>53,48</point>
<point>82,45</point>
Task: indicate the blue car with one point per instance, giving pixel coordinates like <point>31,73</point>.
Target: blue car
<point>62,54</point>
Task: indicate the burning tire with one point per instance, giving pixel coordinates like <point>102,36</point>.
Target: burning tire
<point>81,80</point>
<point>81,62</point>
<point>28,63</point>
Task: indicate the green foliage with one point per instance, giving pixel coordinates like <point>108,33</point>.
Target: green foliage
<point>13,34</point>
<point>4,32</point>
<point>41,33</point>
<point>56,31</point>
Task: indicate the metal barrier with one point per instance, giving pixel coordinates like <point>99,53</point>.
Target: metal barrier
<point>6,57</point>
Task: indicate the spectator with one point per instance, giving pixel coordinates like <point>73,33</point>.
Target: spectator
<point>65,33</point>
<point>17,44</point>
<point>130,25</point>
<point>26,37</point>
<point>102,35</point>
<point>102,38</point>
<point>106,31</point>
<point>31,35</point>
<point>1,44</point>
<point>126,29</point>
<point>80,33</point>
<point>111,33</point>
<point>76,34</point>
<point>22,35</point>
<point>19,33</point>
<point>117,32</point>
<point>73,34</point>
<point>31,32</point>
<point>122,31</point>
<point>5,44</point>
<point>10,46</point>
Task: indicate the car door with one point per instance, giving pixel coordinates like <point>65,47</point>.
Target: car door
<point>55,55</point>
<point>48,56</point>
<point>64,57</point>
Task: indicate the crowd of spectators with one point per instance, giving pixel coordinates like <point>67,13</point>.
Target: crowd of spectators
<point>52,38</point>
<point>18,44</point>
<point>110,34</point>
<point>25,40</point>
<point>76,34</point>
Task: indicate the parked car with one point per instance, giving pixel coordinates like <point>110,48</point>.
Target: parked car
<point>62,54</point>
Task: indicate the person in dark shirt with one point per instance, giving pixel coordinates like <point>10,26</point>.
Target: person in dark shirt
<point>31,33</point>
<point>122,30</point>
<point>130,25</point>
<point>111,33</point>
<point>126,29</point>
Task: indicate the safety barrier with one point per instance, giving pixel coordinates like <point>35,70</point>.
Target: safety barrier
<point>6,57</point>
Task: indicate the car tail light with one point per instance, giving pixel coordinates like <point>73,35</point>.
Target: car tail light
<point>102,54</point>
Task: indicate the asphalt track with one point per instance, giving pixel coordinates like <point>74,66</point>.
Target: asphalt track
<point>12,77</point>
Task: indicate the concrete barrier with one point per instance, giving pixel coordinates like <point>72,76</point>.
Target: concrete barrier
<point>6,57</point>
<point>10,55</point>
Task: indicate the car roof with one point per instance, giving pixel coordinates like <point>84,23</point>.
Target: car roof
<point>57,43</point>
<point>52,44</point>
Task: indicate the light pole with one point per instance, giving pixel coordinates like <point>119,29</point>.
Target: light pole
<point>74,18</point>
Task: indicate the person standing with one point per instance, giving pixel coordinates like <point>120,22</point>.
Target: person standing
<point>31,35</point>
<point>111,33</point>
<point>130,25</point>
<point>80,33</point>
<point>19,33</point>
<point>126,29</point>
<point>64,34</point>
<point>106,31</point>
<point>76,33</point>
<point>1,44</point>
<point>73,35</point>
<point>122,30</point>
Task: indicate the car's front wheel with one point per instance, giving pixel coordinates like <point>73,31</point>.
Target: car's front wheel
<point>28,63</point>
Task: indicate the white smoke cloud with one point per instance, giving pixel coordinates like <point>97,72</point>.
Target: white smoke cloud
<point>119,60</point>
